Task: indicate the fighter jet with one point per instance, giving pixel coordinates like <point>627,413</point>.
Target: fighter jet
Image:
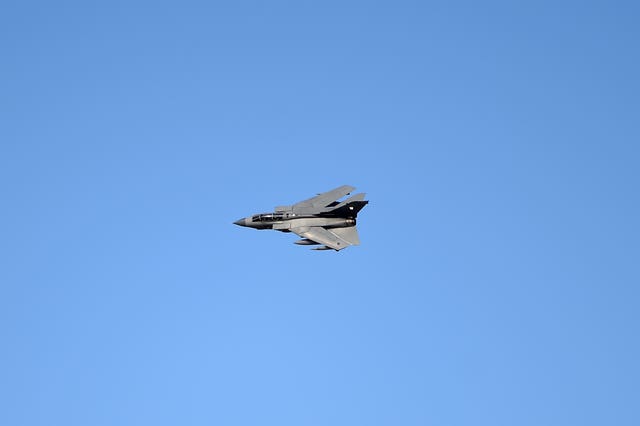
<point>321,220</point>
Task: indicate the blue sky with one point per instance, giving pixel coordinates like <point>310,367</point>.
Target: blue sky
<point>497,280</point>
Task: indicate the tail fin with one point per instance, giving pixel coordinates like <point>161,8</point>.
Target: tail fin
<point>349,207</point>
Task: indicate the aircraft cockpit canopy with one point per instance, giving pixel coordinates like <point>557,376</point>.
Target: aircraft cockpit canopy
<point>268,217</point>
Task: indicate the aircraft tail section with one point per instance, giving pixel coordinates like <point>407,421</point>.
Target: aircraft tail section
<point>349,207</point>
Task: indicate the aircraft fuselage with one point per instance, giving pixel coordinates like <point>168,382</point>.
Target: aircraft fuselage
<point>322,220</point>
<point>280,222</point>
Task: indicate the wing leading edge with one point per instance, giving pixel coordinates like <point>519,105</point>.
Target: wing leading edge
<point>319,201</point>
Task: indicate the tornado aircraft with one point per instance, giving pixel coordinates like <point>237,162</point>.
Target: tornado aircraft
<point>322,220</point>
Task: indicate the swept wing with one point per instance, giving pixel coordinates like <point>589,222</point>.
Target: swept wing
<point>318,202</point>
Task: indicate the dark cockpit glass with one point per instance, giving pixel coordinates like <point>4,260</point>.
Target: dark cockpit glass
<point>268,217</point>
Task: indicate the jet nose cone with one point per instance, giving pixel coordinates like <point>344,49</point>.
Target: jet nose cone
<point>241,222</point>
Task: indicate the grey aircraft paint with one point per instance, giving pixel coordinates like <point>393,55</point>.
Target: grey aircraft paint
<point>320,220</point>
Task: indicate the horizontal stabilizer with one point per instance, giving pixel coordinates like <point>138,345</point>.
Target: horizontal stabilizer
<point>329,237</point>
<point>349,235</point>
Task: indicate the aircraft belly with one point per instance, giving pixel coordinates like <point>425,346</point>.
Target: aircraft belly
<point>327,222</point>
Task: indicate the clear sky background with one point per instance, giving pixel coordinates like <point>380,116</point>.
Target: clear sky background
<point>498,278</point>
